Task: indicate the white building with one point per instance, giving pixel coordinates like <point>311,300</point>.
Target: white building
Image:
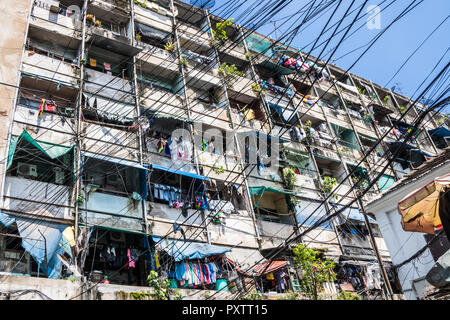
<point>403,244</point>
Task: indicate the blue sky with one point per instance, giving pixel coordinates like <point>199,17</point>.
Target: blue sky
<point>384,58</point>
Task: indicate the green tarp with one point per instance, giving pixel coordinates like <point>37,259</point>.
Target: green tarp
<point>385,182</point>
<point>257,191</point>
<point>50,150</point>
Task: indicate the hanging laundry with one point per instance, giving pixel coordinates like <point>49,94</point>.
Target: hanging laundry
<point>107,66</point>
<point>161,145</point>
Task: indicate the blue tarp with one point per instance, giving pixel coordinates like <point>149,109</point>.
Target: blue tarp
<point>354,214</point>
<point>184,173</point>
<point>305,208</point>
<point>39,237</point>
<point>440,132</point>
<point>122,162</point>
<point>181,250</point>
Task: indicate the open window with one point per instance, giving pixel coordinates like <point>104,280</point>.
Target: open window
<point>272,205</point>
<point>36,160</point>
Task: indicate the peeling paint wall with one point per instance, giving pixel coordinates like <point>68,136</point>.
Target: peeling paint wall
<point>14,17</point>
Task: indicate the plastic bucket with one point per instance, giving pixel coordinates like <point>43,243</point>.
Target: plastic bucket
<point>222,285</point>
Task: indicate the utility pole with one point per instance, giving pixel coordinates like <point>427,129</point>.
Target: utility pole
<point>377,252</point>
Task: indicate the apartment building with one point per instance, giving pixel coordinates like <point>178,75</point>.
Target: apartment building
<point>130,135</point>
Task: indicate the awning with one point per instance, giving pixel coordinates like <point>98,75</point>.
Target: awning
<point>122,162</point>
<point>184,173</point>
<point>150,32</point>
<point>42,240</point>
<point>258,191</point>
<point>420,209</point>
<point>285,113</point>
<point>305,209</point>
<point>278,69</point>
<point>181,250</point>
<point>440,132</point>
<point>49,149</point>
<point>355,214</point>
<point>268,267</point>
<point>384,182</point>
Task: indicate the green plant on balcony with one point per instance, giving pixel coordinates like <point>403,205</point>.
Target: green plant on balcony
<point>402,109</point>
<point>360,182</point>
<point>254,295</point>
<point>142,3</point>
<point>169,46</point>
<point>328,183</point>
<point>229,73</point>
<point>257,89</point>
<point>218,170</point>
<point>361,91</point>
<point>307,127</point>
<point>289,178</point>
<point>80,200</point>
<point>98,23</point>
<point>248,55</point>
<point>344,150</point>
<point>386,101</point>
<point>138,37</point>
<point>220,33</point>
<point>347,295</point>
<point>90,18</point>
<point>183,63</point>
<point>159,285</point>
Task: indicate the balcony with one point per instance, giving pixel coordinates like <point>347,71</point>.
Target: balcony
<point>28,119</point>
<point>278,232</point>
<point>111,211</point>
<point>233,49</point>
<point>109,141</point>
<point>162,217</point>
<point>163,100</point>
<point>107,85</point>
<point>50,23</point>
<point>193,38</point>
<point>157,61</point>
<point>37,198</point>
<point>241,90</point>
<point>49,68</point>
<point>154,19</point>
<point>112,41</point>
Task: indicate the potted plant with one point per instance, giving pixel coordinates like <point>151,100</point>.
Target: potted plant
<point>257,89</point>
<point>229,72</point>
<point>328,183</point>
<point>90,18</point>
<point>219,33</point>
<point>98,23</point>
<point>183,63</point>
<point>169,46</point>
<point>289,178</point>
<point>138,37</point>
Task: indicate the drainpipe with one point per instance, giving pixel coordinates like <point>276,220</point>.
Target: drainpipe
<point>188,109</point>
<point>77,183</point>
<point>390,123</point>
<point>138,112</point>
<point>374,124</point>
<point>256,78</point>
<point>369,173</point>
<point>238,149</point>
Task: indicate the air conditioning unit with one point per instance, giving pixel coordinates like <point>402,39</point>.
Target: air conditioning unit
<point>26,170</point>
<point>117,236</point>
<point>59,176</point>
